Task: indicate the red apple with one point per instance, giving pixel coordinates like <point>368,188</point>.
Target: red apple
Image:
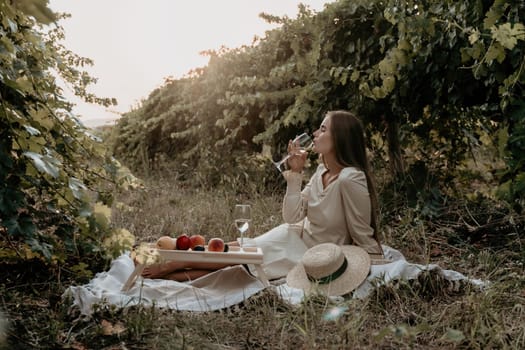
<point>165,242</point>
<point>183,242</point>
<point>197,240</point>
<point>216,245</point>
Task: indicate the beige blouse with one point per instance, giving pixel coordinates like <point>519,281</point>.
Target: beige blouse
<point>339,213</point>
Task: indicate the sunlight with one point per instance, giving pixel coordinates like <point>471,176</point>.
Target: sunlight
<point>137,44</point>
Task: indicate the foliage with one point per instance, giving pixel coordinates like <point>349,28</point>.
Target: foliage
<point>56,178</point>
<point>430,78</point>
<point>36,8</point>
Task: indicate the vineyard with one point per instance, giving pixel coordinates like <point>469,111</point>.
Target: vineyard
<point>439,87</point>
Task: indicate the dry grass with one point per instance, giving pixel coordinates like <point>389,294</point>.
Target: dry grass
<point>167,207</point>
<point>427,313</point>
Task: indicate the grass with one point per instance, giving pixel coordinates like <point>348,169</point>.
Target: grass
<point>427,313</point>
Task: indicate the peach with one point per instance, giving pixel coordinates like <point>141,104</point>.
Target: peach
<point>165,242</point>
<point>216,245</point>
<point>183,242</point>
<point>196,240</point>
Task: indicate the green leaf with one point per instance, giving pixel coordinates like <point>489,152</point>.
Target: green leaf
<point>387,67</point>
<point>40,247</point>
<point>102,215</point>
<point>31,130</point>
<point>21,225</point>
<point>11,199</point>
<point>77,187</point>
<point>389,83</point>
<point>45,164</point>
<point>7,45</point>
<point>495,52</point>
<point>505,35</point>
<point>474,36</point>
<point>355,76</point>
<point>9,24</point>
<point>494,14</point>
<point>519,31</point>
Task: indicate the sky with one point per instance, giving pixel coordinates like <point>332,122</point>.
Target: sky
<point>136,44</point>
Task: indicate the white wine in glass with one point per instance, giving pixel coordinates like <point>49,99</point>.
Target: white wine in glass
<point>305,143</point>
<point>242,215</point>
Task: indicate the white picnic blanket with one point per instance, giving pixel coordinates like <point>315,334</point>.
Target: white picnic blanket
<point>223,288</point>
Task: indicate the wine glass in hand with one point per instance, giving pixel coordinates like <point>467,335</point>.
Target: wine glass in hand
<point>242,215</point>
<point>305,143</point>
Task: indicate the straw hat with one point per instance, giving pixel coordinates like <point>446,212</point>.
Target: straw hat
<point>331,269</point>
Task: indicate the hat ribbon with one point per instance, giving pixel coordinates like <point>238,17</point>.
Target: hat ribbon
<point>330,277</point>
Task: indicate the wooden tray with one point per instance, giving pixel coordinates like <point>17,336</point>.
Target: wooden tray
<point>248,255</point>
<point>234,256</point>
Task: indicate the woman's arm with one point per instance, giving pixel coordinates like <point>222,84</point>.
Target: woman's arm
<point>295,202</point>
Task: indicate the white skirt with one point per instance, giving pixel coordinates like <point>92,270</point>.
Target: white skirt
<point>282,247</point>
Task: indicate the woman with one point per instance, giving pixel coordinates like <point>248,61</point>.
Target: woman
<point>338,205</point>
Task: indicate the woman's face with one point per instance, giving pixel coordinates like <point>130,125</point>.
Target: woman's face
<point>323,140</point>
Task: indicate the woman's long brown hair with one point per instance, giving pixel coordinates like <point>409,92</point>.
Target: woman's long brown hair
<point>350,150</point>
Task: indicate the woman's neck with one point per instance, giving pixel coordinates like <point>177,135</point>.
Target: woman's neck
<point>332,165</point>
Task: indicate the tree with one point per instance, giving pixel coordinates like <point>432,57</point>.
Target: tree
<point>432,78</point>
<point>56,178</point>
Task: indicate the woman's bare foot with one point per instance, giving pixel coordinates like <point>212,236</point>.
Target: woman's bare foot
<point>155,271</point>
<point>159,271</point>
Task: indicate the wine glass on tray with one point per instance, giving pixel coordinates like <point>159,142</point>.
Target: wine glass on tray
<point>305,144</point>
<point>242,215</point>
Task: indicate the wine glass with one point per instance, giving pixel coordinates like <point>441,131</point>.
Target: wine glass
<point>305,143</point>
<point>242,215</point>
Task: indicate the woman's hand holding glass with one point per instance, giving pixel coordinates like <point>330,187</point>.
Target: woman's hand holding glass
<point>297,153</point>
<point>296,156</point>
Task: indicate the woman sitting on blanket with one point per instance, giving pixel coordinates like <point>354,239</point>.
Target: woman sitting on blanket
<point>338,205</point>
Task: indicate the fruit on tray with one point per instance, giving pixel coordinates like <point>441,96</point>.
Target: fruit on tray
<point>165,242</point>
<point>196,240</point>
<point>193,242</point>
<point>183,242</point>
<point>216,245</point>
